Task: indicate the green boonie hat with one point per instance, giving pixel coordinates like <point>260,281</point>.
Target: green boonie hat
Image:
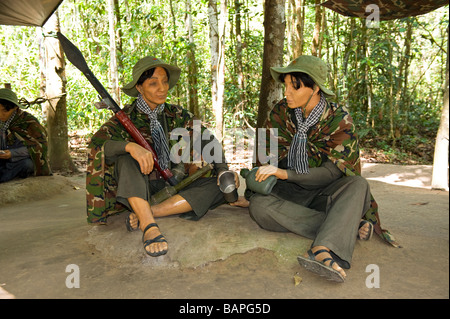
<point>7,94</point>
<point>145,64</point>
<point>311,65</point>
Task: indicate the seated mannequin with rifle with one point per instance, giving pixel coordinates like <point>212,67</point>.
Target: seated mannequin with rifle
<point>121,174</point>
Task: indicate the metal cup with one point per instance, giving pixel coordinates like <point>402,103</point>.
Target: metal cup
<point>227,186</point>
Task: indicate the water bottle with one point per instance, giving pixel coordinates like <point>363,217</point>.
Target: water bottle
<point>264,187</point>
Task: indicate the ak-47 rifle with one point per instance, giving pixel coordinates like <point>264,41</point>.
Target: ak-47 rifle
<point>76,57</point>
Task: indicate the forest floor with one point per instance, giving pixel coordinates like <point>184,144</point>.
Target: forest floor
<point>225,255</point>
<point>417,154</point>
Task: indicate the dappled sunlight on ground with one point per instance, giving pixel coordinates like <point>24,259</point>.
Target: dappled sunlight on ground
<point>408,175</point>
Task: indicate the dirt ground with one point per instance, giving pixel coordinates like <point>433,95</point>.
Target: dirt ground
<point>48,251</point>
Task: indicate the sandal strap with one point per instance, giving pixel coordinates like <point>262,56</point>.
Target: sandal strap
<point>150,226</point>
<point>312,256</point>
<point>318,252</point>
<point>157,239</point>
<point>326,259</point>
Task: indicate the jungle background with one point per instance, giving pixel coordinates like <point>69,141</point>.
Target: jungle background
<point>391,76</point>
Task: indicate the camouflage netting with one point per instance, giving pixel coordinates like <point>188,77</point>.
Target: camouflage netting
<point>388,9</point>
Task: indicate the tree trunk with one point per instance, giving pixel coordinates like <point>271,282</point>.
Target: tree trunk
<point>301,27</point>
<point>239,65</point>
<point>119,37</point>
<point>274,27</point>
<point>367,79</point>
<point>217,35</point>
<point>297,23</point>
<point>174,51</point>
<point>391,103</point>
<point>53,87</point>
<point>345,64</point>
<point>321,33</point>
<point>113,72</point>
<point>405,95</point>
<point>192,64</point>
<point>316,37</point>
<point>440,163</point>
<point>221,71</point>
<point>334,79</point>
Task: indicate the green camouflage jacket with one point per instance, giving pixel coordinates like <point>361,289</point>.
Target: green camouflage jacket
<point>27,129</point>
<point>101,185</point>
<point>333,136</point>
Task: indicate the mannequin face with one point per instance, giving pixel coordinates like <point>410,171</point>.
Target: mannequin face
<point>154,90</point>
<point>296,97</point>
<point>4,114</point>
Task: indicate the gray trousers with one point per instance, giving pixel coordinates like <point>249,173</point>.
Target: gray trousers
<point>330,216</point>
<point>203,194</point>
<point>10,170</point>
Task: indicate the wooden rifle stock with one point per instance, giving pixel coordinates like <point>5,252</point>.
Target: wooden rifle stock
<point>76,57</point>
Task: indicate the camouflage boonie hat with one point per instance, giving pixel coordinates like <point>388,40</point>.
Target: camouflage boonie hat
<point>311,65</point>
<point>8,95</point>
<point>145,64</point>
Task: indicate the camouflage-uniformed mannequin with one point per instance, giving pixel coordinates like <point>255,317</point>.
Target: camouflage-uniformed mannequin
<point>120,173</point>
<point>23,141</point>
<point>322,196</point>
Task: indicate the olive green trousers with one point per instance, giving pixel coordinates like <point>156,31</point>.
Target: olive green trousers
<point>202,195</point>
<point>330,216</point>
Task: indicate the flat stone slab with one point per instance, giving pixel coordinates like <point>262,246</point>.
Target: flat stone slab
<point>221,233</point>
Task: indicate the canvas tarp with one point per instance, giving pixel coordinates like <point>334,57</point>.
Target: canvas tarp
<point>27,12</point>
<point>36,12</point>
<point>388,9</point>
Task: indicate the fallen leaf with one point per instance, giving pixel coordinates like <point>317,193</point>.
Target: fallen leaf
<point>297,279</point>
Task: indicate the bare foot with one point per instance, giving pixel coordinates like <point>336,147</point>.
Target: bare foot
<point>134,221</point>
<point>365,230</point>
<point>241,202</point>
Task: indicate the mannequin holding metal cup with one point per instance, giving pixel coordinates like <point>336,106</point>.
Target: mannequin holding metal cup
<point>229,184</point>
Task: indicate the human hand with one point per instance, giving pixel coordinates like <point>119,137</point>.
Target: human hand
<point>236,179</point>
<point>143,156</point>
<point>265,171</point>
<point>5,154</point>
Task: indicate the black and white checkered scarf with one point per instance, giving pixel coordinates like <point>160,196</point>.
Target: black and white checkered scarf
<point>159,140</point>
<point>298,155</point>
<point>3,127</point>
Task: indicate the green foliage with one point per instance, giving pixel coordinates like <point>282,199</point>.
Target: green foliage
<point>19,62</point>
<point>395,95</point>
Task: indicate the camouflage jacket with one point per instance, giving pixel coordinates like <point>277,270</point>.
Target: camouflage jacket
<point>27,129</point>
<point>101,185</point>
<point>335,137</point>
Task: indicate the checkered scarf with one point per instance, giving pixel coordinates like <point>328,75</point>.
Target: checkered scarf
<point>158,136</point>
<point>298,155</point>
<point>3,127</point>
